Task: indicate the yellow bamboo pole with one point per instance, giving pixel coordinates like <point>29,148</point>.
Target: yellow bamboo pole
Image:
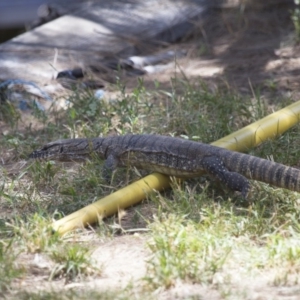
<point>241,140</point>
<point>269,127</point>
<point>110,204</point>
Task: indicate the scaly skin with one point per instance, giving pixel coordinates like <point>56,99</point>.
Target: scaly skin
<point>174,157</point>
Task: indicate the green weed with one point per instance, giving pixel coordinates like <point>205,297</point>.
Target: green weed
<point>8,112</point>
<point>9,270</point>
<point>34,234</point>
<point>72,262</point>
<point>183,250</point>
<point>295,15</point>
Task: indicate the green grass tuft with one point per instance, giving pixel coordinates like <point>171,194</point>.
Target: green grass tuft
<point>184,250</point>
<point>72,262</point>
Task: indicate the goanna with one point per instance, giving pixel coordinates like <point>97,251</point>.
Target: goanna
<point>174,157</point>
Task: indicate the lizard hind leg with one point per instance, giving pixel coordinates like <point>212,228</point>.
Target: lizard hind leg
<point>214,166</point>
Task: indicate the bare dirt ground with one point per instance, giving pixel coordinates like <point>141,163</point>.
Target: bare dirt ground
<point>247,50</point>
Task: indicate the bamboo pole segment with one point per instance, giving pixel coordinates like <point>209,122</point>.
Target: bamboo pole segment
<point>269,127</point>
<point>110,204</point>
<point>241,140</point>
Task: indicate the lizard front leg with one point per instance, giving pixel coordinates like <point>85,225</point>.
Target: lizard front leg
<point>214,166</point>
<point>110,165</point>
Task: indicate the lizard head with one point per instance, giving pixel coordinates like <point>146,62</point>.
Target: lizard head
<point>64,150</point>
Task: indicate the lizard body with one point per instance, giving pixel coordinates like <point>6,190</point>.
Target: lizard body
<point>174,157</point>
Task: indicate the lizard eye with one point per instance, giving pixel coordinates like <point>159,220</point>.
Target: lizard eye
<point>61,149</point>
